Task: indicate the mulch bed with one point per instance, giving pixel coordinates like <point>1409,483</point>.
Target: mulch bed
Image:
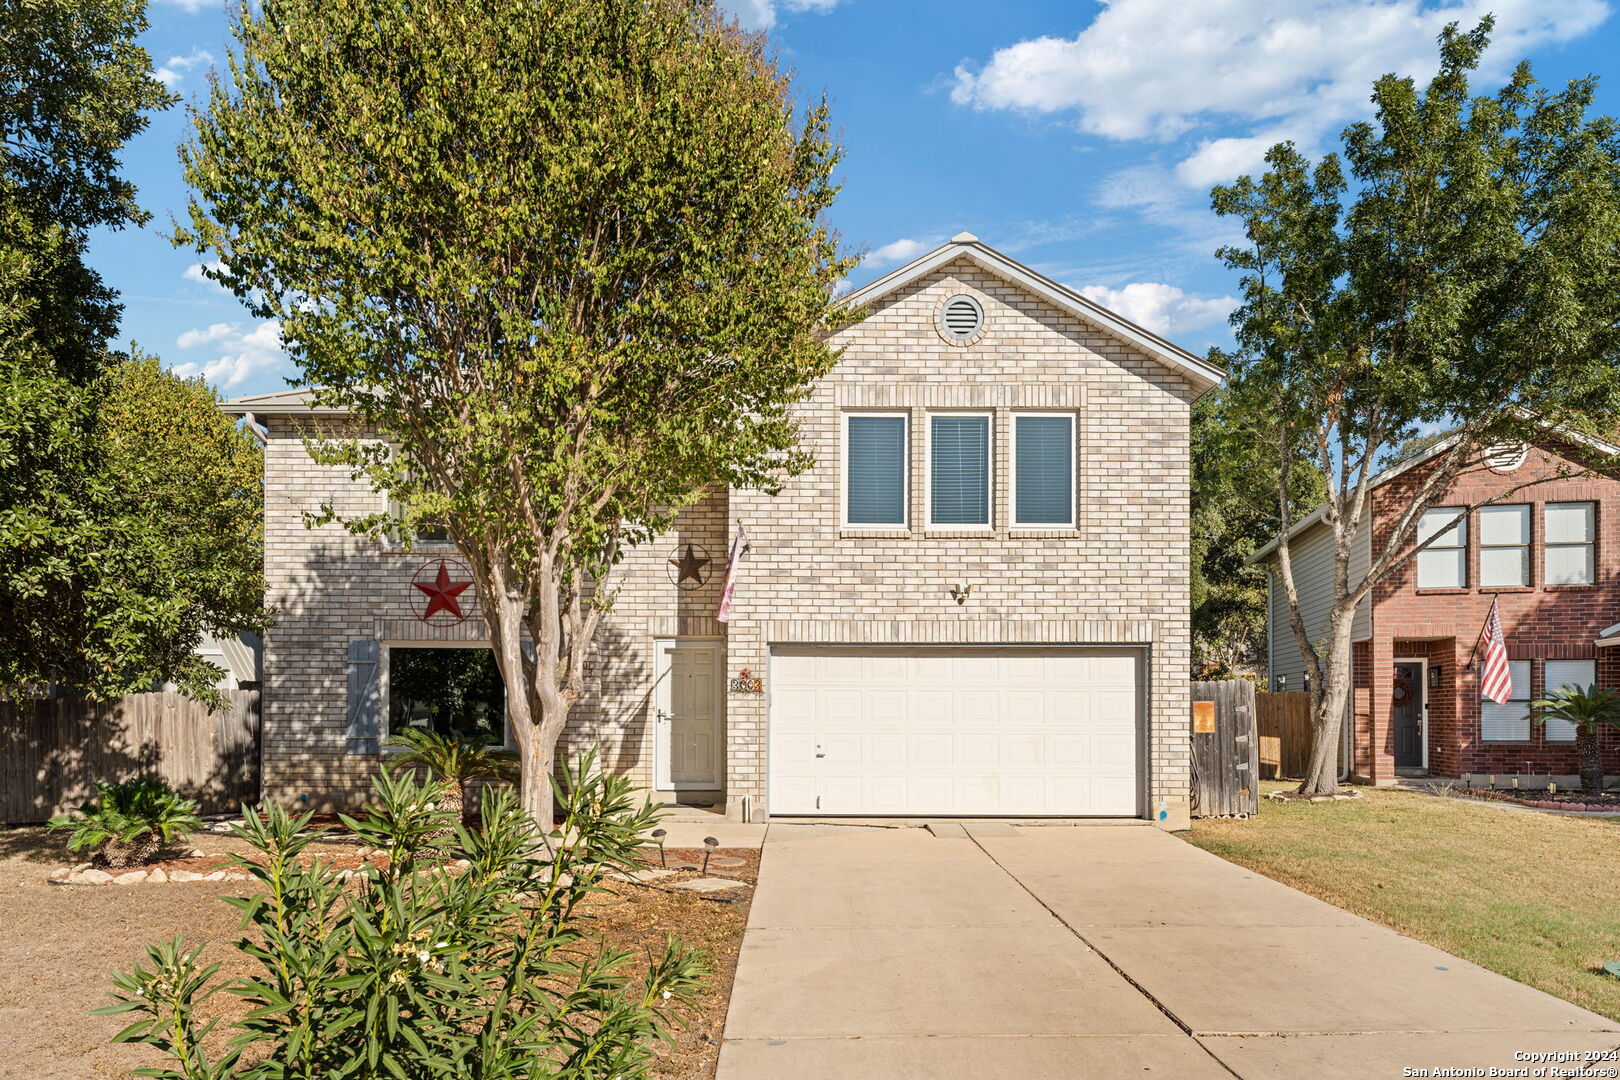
<point>60,944</point>
<point>1600,802</point>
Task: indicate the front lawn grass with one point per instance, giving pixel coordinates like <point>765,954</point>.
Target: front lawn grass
<point>1533,896</point>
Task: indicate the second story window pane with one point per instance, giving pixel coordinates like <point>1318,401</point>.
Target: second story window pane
<point>1504,546</point>
<point>1569,542</point>
<point>959,470</point>
<point>875,477</point>
<point>1444,563</point>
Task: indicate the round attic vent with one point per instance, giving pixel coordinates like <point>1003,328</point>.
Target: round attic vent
<point>1505,457</point>
<point>961,318</point>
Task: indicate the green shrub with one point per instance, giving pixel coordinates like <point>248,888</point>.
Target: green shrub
<point>406,971</point>
<point>454,762</point>
<point>128,823</point>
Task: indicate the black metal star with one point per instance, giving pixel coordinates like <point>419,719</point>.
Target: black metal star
<point>690,565</point>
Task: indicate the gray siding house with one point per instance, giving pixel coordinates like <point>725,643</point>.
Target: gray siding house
<point>975,602</point>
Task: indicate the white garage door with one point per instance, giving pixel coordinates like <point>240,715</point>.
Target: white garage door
<point>983,730</point>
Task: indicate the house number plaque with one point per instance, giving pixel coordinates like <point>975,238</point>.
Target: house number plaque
<point>747,682</point>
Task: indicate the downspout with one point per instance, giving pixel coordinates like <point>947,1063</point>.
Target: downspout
<point>256,429</point>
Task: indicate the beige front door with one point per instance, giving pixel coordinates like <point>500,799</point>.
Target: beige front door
<point>687,714</point>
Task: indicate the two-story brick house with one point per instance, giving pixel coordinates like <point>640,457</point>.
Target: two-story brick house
<point>1546,550</point>
<point>975,602</point>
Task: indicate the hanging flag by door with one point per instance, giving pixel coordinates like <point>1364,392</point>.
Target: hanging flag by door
<point>1496,677</point>
<point>739,544</point>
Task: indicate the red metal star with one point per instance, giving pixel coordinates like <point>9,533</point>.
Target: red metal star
<point>442,593</point>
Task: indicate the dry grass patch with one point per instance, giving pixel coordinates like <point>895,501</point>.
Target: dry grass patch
<point>1532,896</point>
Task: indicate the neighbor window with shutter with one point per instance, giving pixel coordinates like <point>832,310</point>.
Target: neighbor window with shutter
<point>1509,722</point>
<point>1504,546</point>
<point>1444,563</point>
<point>959,470</point>
<point>1560,673</point>
<point>875,469</point>
<point>1043,470</point>
<point>1568,539</point>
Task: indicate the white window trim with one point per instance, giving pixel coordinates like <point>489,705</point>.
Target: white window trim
<point>989,465</point>
<point>1528,547</point>
<point>1590,544</point>
<point>387,645</point>
<point>843,471</point>
<point>1423,703</point>
<point>1012,473</point>
<point>1458,529</point>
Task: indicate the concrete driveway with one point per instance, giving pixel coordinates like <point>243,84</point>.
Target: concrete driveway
<point>1096,951</point>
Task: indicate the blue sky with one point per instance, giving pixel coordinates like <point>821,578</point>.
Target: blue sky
<point>1080,138</point>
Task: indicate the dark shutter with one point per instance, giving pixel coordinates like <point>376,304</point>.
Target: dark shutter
<point>364,732</point>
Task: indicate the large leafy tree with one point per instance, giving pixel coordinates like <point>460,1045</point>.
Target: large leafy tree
<point>567,260</point>
<point>1459,268</point>
<point>1234,509</point>
<point>128,504</point>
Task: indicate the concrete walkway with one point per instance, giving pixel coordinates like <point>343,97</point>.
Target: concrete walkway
<point>1053,952</point>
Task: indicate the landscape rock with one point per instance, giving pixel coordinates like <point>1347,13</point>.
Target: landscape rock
<point>184,875</point>
<point>132,877</point>
<point>92,876</point>
<point>708,884</point>
<point>217,875</point>
<point>61,873</point>
<point>157,874</point>
<point>197,853</point>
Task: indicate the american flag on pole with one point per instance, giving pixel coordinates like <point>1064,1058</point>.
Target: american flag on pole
<point>1496,678</point>
<point>733,562</point>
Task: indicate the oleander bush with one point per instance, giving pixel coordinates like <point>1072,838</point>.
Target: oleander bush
<point>128,823</point>
<point>421,968</point>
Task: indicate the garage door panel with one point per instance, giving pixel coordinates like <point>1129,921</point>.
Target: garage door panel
<point>992,730</point>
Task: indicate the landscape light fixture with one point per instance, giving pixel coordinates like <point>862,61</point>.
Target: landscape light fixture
<point>658,835</point>
<point>709,844</point>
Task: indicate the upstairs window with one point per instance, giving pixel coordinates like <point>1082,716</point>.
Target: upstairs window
<point>1569,539</point>
<point>1509,722</point>
<point>1444,563</point>
<point>875,469</point>
<point>1561,673</point>
<point>1043,470</point>
<point>1504,546</point>
<point>959,470</point>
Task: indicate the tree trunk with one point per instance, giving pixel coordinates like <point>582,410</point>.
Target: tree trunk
<point>538,798</point>
<point>1327,710</point>
<point>1589,753</point>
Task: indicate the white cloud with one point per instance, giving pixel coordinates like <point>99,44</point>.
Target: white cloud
<point>238,355</point>
<point>174,69</point>
<point>761,14</point>
<point>898,251</point>
<point>194,272</point>
<point>1158,69</point>
<point>1163,309</point>
<point>192,6</point>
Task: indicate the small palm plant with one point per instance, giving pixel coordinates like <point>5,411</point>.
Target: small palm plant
<point>128,823</point>
<point>1587,710</point>
<point>455,763</point>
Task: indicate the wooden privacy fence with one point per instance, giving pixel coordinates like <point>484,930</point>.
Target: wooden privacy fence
<point>53,751</point>
<point>1224,760</point>
<point>1285,734</point>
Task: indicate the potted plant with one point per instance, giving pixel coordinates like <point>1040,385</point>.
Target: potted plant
<point>455,762</point>
<point>1587,710</point>
<point>128,823</point>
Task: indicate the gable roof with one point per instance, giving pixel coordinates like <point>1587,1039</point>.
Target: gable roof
<point>1200,372</point>
<point>1413,461</point>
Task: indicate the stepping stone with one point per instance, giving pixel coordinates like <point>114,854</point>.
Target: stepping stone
<point>726,861</point>
<point>708,884</point>
<point>642,876</point>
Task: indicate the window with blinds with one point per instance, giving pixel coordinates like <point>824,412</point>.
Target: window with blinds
<point>1043,470</point>
<point>959,470</point>
<point>1560,673</point>
<point>1504,546</point>
<point>1509,722</point>
<point>1444,563</point>
<point>875,469</point>
<point>1569,544</point>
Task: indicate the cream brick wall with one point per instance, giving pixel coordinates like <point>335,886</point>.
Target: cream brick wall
<point>1119,577</point>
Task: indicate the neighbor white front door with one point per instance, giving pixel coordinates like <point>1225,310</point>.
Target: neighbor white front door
<point>686,710</point>
<point>996,730</point>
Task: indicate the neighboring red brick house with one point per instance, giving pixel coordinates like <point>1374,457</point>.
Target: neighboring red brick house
<point>1548,553</point>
